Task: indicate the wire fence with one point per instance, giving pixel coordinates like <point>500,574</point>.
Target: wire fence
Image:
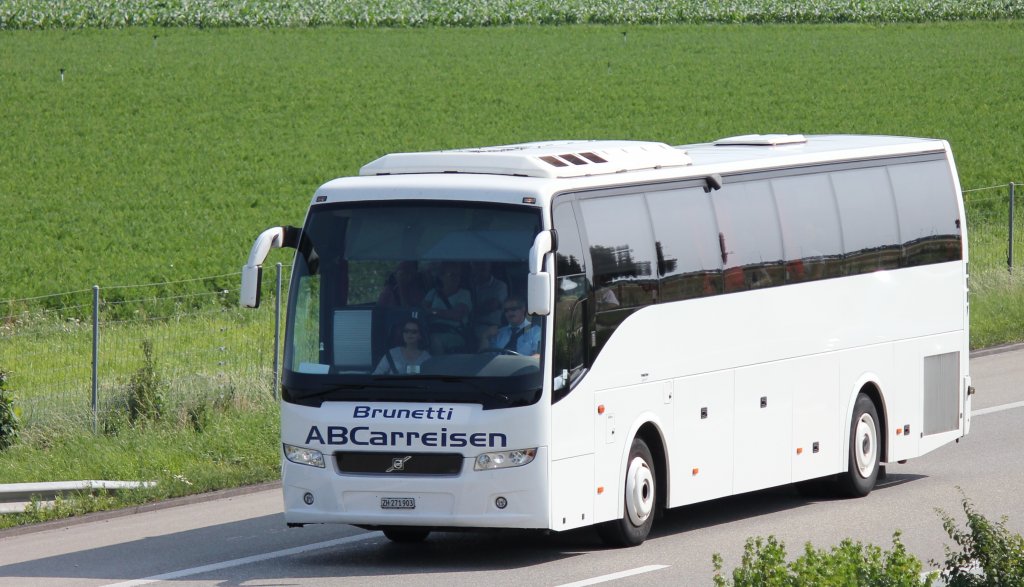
<point>89,362</point>
<point>995,225</point>
<point>81,358</point>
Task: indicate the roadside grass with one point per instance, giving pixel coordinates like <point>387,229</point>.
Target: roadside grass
<point>997,307</point>
<point>235,446</point>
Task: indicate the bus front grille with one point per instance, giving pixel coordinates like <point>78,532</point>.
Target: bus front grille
<point>393,463</point>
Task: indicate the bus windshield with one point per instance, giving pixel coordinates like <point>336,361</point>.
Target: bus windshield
<point>413,301</point>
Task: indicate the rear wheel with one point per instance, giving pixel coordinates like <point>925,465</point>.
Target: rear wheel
<point>406,534</point>
<point>634,526</point>
<point>865,450</point>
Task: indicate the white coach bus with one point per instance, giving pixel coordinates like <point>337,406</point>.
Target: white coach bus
<point>564,334</point>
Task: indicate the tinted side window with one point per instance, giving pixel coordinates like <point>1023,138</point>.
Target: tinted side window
<point>927,212</point>
<point>571,292</point>
<point>622,260</point>
<point>569,258</point>
<point>811,238</point>
<point>867,214</point>
<point>749,236</point>
<point>686,243</point>
<point>621,250</point>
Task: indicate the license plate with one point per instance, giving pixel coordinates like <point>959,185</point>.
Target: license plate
<point>398,503</point>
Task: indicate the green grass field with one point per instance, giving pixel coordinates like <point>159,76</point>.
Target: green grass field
<point>163,152</point>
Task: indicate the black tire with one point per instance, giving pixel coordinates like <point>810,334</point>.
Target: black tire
<point>640,501</point>
<point>865,450</point>
<point>406,535</point>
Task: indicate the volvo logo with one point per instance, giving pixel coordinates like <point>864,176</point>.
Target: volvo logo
<point>398,464</point>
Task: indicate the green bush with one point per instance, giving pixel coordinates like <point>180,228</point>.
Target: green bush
<point>988,553</point>
<point>9,423</point>
<point>146,390</point>
<point>848,564</point>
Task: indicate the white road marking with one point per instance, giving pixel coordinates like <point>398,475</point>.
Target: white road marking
<point>614,576</point>
<point>984,411</point>
<point>246,560</point>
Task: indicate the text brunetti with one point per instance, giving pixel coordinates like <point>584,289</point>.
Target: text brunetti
<point>366,436</point>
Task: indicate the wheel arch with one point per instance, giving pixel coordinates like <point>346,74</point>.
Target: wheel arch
<point>651,433</point>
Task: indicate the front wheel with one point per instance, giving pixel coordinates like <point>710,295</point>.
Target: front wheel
<point>634,526</point>
<point>865,450</point>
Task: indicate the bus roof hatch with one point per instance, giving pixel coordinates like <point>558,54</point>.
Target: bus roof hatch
<point>542,159</point>
<point>762,140</point>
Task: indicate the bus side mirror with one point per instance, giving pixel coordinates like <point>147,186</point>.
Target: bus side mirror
<point>252,280</point>
<point>538,283</point>
<point>538,292</point>
<point>252,272</point>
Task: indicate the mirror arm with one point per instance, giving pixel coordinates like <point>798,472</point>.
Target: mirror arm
<point>252,272</point>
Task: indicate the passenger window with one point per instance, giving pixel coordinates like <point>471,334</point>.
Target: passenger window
<point>749,239</point>
<point>623,262</point>
<point>811,238</point>
<point>867,215</point>
<point>686,243</point>
<point>927,212</point>
<point>621,250</point>
<point>571,290</point>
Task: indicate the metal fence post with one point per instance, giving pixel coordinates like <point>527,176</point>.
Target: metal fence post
<point>95,355</point>
<point>277,335</point>
<point>1009,249</point>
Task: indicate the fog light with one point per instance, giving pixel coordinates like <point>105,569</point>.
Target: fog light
<point>307,498</point>
<point>304,456</point>
<point>501,503</point>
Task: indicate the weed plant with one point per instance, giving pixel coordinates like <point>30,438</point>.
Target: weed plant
<point>848,564</point>
<point>9,423</point>
<point>986,552</point>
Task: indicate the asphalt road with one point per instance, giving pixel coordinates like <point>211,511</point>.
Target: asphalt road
<point>241,539</point>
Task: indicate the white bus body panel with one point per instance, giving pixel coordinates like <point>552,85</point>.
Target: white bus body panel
<point>792,354</point>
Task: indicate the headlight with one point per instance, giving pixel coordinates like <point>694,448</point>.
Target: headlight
<point>504,459</point>
<point>304,456</point>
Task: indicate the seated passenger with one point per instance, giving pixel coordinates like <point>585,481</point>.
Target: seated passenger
<point>403,287</point>
<point>405,359</point>
<point>449,305</point>
<point>519,335</point>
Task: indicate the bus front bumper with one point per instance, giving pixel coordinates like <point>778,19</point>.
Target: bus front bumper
<point>516,497</point>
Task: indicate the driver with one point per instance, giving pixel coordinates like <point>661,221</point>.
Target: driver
<point>519,335</point>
